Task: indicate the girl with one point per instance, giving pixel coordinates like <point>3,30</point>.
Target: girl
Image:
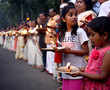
<point>97,72</point>
<point>75,42</point>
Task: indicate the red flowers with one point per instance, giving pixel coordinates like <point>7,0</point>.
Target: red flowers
<point>95,54</point>
<point>89,18</point>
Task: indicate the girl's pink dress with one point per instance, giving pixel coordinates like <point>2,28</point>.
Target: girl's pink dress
<point>94,66</point>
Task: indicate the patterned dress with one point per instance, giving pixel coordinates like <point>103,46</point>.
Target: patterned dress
<point>94,66</point>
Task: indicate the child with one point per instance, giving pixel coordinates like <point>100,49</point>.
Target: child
<point>74,40</point>
<point>97,72</point>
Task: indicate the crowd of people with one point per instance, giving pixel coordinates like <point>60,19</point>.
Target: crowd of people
<point>82,29</point>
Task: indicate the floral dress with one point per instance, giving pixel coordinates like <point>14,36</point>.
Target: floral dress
<point>94,66</point>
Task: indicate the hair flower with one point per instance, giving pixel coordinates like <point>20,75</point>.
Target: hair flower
<point>95,54</point>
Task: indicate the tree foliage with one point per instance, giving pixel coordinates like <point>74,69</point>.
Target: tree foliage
<point>16,11</point>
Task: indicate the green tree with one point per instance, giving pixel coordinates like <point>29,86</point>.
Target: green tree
<point>17,10</point>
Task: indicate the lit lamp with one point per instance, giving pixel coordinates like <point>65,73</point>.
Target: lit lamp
<point>27,18</point>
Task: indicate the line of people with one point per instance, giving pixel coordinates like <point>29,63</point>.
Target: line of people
<point>84,35</point>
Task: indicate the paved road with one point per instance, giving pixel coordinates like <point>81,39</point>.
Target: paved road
<point>18,75</point>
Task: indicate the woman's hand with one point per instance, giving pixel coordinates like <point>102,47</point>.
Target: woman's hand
<point>65,50</point>
<point>58,50</point>
<point>82,69</point>
<point>77,73</point>
<point>74,74</point>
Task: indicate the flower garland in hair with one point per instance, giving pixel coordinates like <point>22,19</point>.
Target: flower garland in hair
<point>95,54</point>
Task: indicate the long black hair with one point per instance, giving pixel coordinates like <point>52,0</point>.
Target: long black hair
<point>63,24</point>
<point>89,4</point>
